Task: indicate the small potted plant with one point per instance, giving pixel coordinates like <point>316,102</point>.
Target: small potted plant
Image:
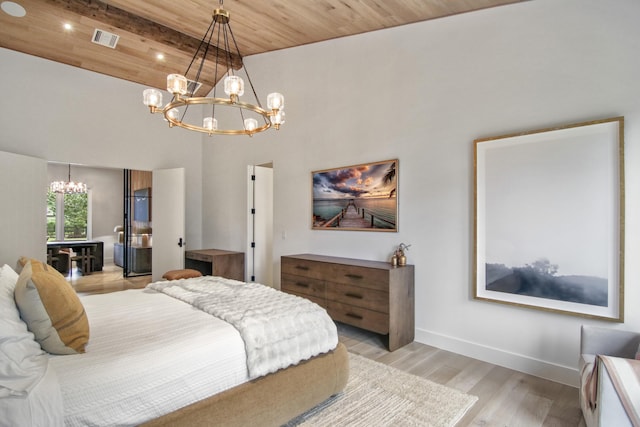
<point>400,254</point>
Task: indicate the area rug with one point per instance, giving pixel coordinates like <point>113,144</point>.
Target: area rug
<point>379,395</point>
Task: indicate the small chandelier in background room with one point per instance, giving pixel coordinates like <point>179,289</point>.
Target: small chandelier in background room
<point>252,117</point>
<point>68,187</point>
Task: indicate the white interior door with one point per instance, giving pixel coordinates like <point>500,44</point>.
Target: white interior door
<point>168,215</point>
<point>259,254</point>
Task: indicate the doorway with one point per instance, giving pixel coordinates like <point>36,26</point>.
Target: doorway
<point>133,250</point>
<point>259,258</point>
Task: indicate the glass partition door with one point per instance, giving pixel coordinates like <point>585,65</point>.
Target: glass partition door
<point>136,245</point>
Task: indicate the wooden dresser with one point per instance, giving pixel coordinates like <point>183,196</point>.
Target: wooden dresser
<point>371,295</point>
<point>216,262</point>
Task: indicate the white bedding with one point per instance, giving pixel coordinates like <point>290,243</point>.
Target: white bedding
<point>127,379</point>
<point>278,329</point>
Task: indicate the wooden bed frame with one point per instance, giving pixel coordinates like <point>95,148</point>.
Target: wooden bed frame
<point>272,400</point>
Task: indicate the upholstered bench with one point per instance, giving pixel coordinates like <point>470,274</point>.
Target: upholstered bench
<point>185,273</point>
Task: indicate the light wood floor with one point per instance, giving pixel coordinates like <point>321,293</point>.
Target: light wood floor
<point>506,397</point>
<point>110,279</point>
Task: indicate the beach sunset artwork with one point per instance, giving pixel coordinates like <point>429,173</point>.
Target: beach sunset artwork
<point>360,197</point>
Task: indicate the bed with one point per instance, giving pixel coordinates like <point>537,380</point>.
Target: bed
<point>157,356</point>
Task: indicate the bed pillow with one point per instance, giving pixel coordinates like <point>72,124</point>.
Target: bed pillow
<point>186,273</point>
<point>41,407</point>
<point>8,279</point>
<point>22,361</point>
<point>51,309</point>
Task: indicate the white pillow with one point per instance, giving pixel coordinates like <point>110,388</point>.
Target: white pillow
<point>42,407</point>
<point>8,279</point>
<point>22,362</point>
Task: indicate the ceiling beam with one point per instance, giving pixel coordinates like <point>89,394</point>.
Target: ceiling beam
<point>134,24</point>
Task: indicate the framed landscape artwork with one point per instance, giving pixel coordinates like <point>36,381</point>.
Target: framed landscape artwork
<point>359,197</point>
<point>549,219</point>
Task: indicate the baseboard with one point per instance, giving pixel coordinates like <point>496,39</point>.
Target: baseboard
<point>539,368</point>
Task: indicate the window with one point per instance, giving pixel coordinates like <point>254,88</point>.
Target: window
<point>67,216</point>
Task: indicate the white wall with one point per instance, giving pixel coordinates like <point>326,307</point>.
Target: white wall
<point>422,93</point>
<point>23,230</point>
<point>62,113</point>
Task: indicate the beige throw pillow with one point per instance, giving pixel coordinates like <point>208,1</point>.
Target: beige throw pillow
<point>51,309</point>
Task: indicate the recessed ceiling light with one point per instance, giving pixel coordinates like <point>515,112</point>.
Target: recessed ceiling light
<point>67,26</point>
<point>160,56</point>
<point>13,9</point>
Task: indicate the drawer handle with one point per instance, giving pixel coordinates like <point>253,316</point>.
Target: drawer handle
<point>354,276</point>
<point>350,295</point>
<point>302,285</point>
<point>355,316</point>
<point>302,267</point>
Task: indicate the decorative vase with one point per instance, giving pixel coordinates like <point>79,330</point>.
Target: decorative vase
<point>394,261</point>
<point>402,260</point>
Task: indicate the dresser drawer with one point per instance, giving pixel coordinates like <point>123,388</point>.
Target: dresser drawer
<point>360,297</point>
<point>359,276</point>
<point>303,285</point>
<point>198,256</point>
<point>360,317</point>
<point>303,267</point>
<point>320,301</point>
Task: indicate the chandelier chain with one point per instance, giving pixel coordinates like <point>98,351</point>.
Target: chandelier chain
<point>215,88</point>
<point>245,69</point>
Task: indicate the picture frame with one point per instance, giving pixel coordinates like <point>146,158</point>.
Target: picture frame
<point>360,197</point>
<point>549,219</point>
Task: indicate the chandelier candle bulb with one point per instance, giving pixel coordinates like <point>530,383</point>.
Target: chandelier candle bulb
<point>234,86</point>
<point>250,125</point>
<point>152,98</point>
<point>275,101</point>
<point>173,115</point>
<point>210,123</point>
<point>277,119</point>
<point>177,84</point>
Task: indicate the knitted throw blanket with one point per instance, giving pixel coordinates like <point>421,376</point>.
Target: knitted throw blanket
<point>278,329</point>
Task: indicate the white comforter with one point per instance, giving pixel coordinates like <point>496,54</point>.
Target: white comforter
<point>278,329</point>
<point>148,355</point>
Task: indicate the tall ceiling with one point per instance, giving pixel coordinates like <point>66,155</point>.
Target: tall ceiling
<point>174,28</point>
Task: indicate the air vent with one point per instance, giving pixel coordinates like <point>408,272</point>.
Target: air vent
<point>105,38</point>
<point>193,87</point>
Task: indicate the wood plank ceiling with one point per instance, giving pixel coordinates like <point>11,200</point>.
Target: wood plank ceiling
<point>174,28</point>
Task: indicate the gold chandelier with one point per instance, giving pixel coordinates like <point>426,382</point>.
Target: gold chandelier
<point>68,187</point>
<point>252,117</point>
